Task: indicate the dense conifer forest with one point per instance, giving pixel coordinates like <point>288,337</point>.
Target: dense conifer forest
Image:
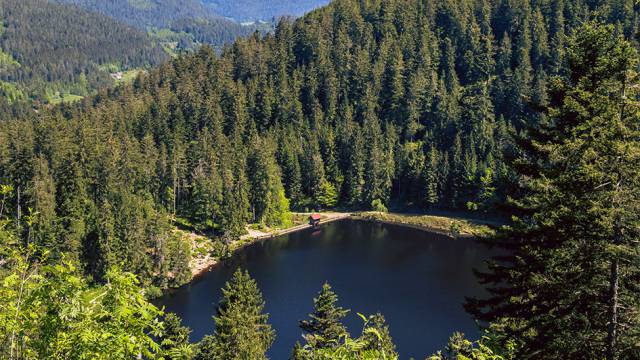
<point>46,47</point>
<point>524,107</point>
<point>255,10</point>
<point>146,13</point>
<point>189,22</point>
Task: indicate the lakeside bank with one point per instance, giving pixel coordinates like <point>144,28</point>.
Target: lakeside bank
<point>205,262</point>
<point>453,227</point>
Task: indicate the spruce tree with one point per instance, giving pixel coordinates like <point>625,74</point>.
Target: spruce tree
<point>324,328</point>
<point>431,197</point>
<point>568,289</point>
<point>174,341</point>
<point>242,329</point>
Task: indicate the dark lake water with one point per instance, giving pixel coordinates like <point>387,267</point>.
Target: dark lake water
<point>418,280</point>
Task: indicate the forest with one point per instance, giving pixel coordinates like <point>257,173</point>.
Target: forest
<point>46,47</point>
<point>521,107</point>
<point>191,22</point>
<point>53,51</point>
<point>255,10</point>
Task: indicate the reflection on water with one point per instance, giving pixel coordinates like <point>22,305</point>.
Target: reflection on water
<point>418,280</point>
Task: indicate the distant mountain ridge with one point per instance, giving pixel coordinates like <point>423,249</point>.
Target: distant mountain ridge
<point>178,24</point>
<point>148,13</point>
<point>252,10</point>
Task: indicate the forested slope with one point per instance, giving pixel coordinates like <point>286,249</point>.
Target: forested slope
<point>145,13</point>
<point>46,47</point>
<point>447,104</point>
<point>186,23</point>
<point>252,10</point>
<point>407,101</point>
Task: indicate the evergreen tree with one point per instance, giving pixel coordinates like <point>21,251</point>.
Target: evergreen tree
<point>566,289</point>
<point>174,341</point>
<point>327,197</point>
<point>268,201</point>
<point>431,196</point>
<point>42,193</point>
<point>242,330</point>
<point>324,328</point>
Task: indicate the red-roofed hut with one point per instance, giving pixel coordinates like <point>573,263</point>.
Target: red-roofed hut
<point>314,219</point>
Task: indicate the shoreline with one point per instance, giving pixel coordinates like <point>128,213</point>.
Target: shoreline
<point>209,263</point>
<point>442,225</point>
<point>451,227</point>
<point>434,230</point>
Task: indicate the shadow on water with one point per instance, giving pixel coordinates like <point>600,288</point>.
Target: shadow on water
<point>418,280</point>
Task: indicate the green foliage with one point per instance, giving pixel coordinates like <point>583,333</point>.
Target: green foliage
<point>179,25</point>
<point>7,61</point>
<point>174,342</point>
<point>142,4</point>
<point>252,10</point>
<point>393,100</point>
<point>178,260</point>
<point>268,201</point>
<point>312,115</point>
<point>324,328</point>
<point>573,247</point>
<point>242,330</point>
<point>455,228</point>
<point>378,205</point>
<point>11,92</point>
<point>49,311</point>
<point>459,348</point>
<point>327,196</point>
<point>373,344</point>
<point>63,46</point>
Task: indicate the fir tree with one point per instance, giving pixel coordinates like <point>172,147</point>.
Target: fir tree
<point>566,290</point>
<point>174,341</point>
<point>324,328</point>
<point>242,329</point>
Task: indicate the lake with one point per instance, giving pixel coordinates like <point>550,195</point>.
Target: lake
<point>417,279</point>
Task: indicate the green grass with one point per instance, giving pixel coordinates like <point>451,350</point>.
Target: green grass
<point>164,34</point>
<point>110,67</point>
<point>168,39</point>
<point>453,226</point>
<point>59,98</point>
<point>128,76</point>
<point>142,4</point>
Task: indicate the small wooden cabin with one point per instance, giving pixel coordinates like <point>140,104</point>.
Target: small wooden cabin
<point>314,219</point>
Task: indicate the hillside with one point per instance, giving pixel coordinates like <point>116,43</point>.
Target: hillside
<point>353,105</point>
<point>525,106</point>
<point>47,48</point>
<point>252,10</point>
<point>180,23</point>
<point>146,13</point>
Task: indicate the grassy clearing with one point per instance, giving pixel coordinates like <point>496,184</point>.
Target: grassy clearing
<point>128,76</point>
<point>142,4</point>
<point>58,98</point>
<point>452,226</point>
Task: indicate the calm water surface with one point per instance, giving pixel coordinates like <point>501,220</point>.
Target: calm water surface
<point>418,280</point>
